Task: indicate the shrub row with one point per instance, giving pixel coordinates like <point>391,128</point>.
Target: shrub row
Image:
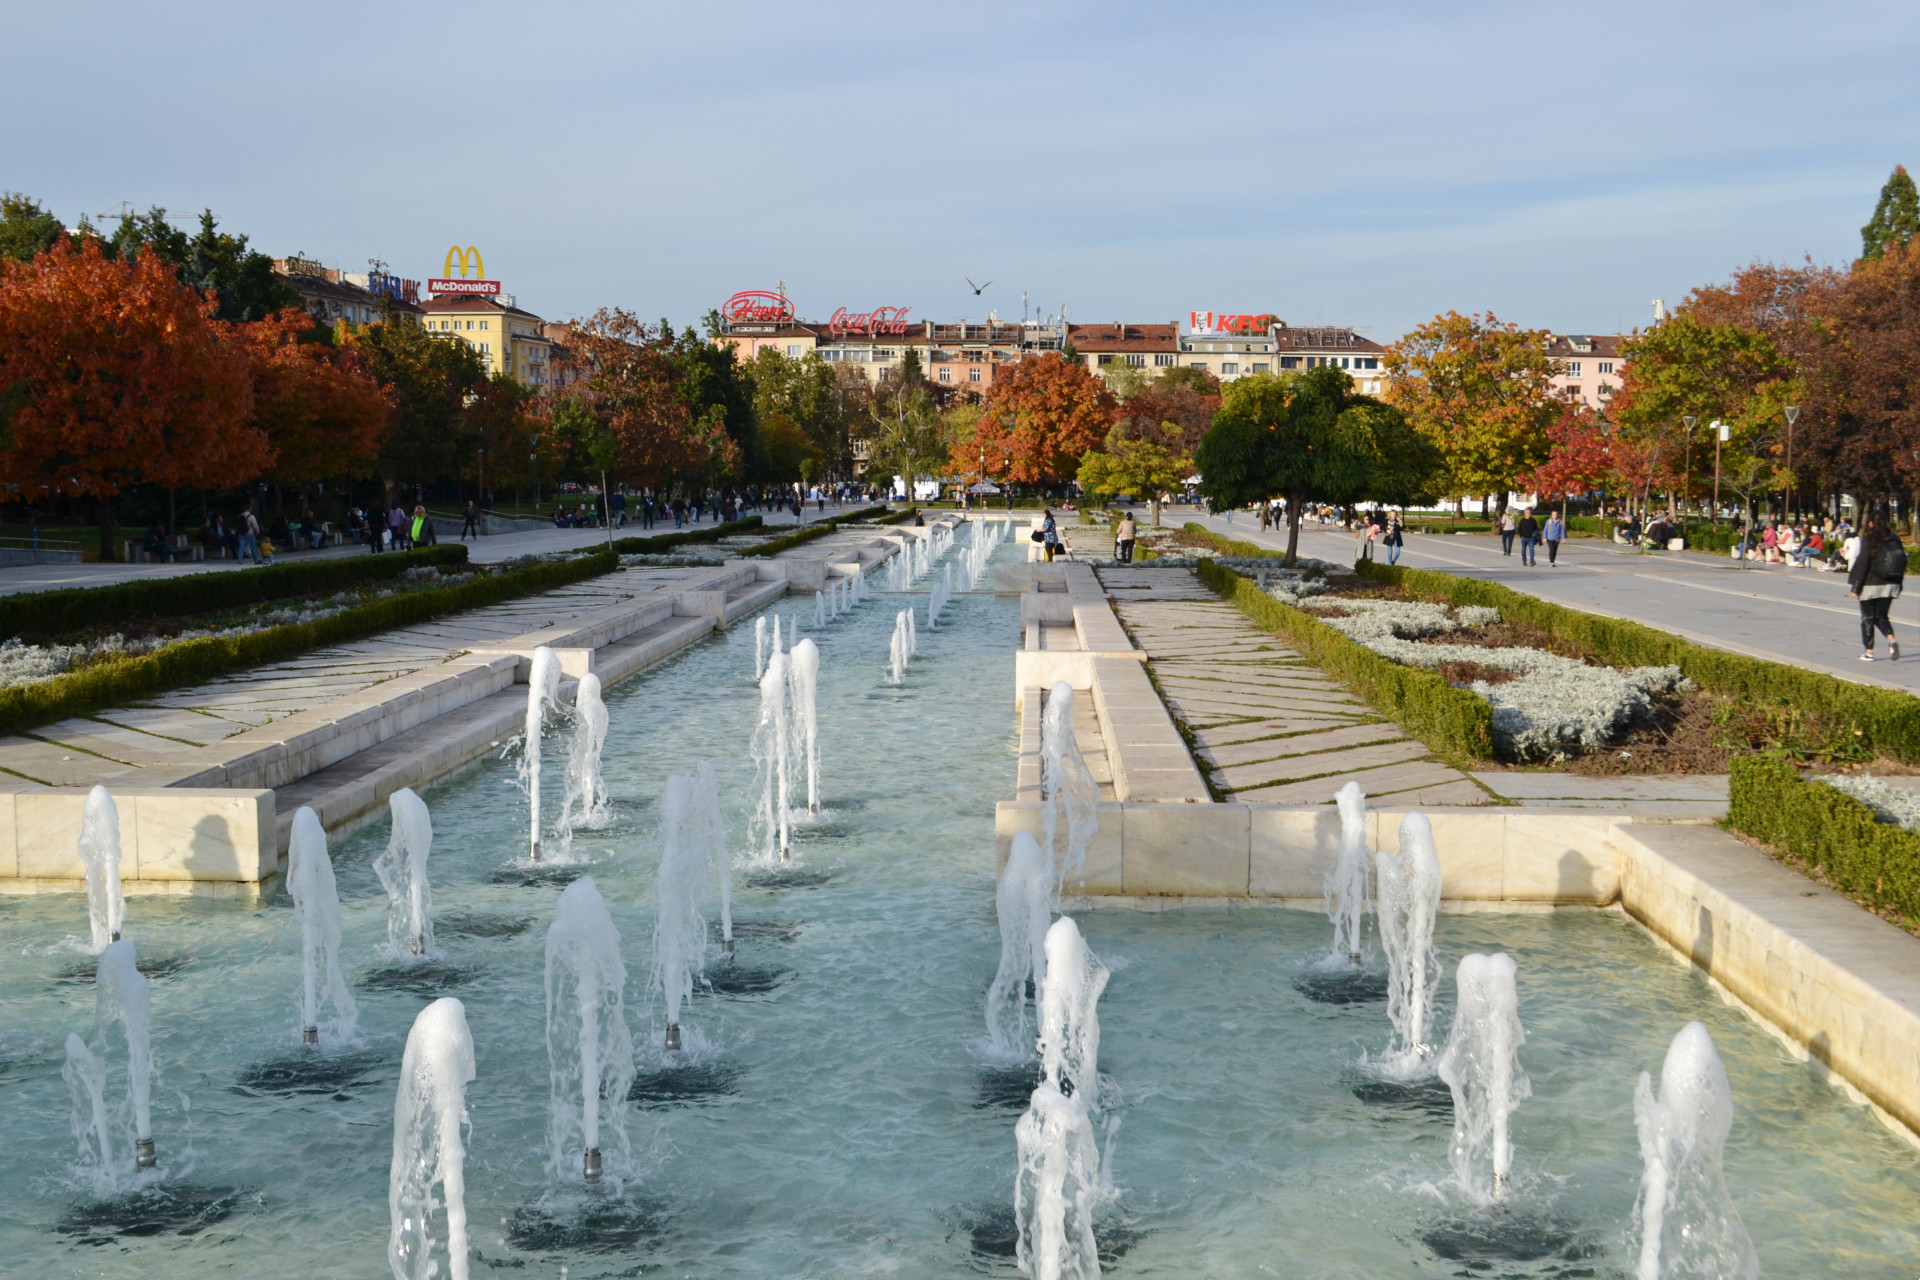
<point>1451,721</point>
<point>1829,831</point>
<point>1229,546</point>
<point>899,517</point>
<point>192,661</point>
<point>798,538</point>
<point>44,615</point>
<point>660,542</point>
<point>1888,720</point>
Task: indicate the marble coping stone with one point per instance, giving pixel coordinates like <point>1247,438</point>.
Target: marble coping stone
<point>170,838</point>
<point>1149,758</point>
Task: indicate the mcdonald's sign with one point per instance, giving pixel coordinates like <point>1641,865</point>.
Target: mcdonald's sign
<point>468,261</point>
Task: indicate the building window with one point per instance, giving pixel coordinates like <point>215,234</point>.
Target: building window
<point>483,326</point>
<point>1605,390</point>
<point>1573,368</point>
<point>1289,362</point>
<point>1228,368</point>
<point>946,375</point>
<point>1371,362</point>
<point>973,375</point>
<point>793,351</point>
<point>1196,364</point>
<point>1260,366</point>
<point>1162,360</point>
<point>1137,362</point>
<point>1573,393</point>
<point>1606,366</point>
<point>1106,360</point>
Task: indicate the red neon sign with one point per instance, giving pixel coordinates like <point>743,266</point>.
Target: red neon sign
<point>880,320</point>
<point>757,306</point>
<point>1208,322</point>
<point>487,288</point>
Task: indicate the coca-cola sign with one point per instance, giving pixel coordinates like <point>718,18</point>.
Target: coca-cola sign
<point>880,320</point>
<point>757,306</point>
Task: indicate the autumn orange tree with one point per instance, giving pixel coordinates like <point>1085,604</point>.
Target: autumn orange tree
<point>1042,416</point>
<point>632,380</point>
<point>112,373</point>
<point>1480,390</point>
<point>320,406</point>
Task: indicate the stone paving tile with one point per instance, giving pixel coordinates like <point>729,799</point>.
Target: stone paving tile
<point>58,766</point>
<point>1564,786</point>
<point>128,746</point>
<point>1316,763</point>
<point>187,726</point>
<point>1261,749</point>
<point>1253,730</point>
<point>1379,784</point>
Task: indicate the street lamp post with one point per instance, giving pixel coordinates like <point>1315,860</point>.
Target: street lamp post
<point>1719,429</point>
<point>1686,471</point>
<point>1793,416</point>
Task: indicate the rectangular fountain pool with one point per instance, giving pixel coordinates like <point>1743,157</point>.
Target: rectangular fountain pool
<point>837,1117</point>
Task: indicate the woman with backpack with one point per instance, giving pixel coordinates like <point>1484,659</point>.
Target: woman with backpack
<point>1875,582</point>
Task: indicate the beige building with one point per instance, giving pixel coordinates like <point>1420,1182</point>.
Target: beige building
<point>362,297</point>
<point>1589,367</point>
<point>1339,348</point>
<point>1151,348</point>
<point>509,340</point>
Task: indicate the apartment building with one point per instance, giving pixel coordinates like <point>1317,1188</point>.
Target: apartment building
<point>1589,367</point>
<point>510,340</point>
<point>330,294</point>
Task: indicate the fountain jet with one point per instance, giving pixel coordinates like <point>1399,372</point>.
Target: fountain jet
<point>679,934</point>
<point>316,905</point>
<point>589,1049</point>
<point>1409,899</point>
<point>1685,1217</point>
<point>803,675</point>
<point>899,648</point>
<point>772,749</point>
<point>711,823</point>
<point>1347,882</point>
<point>100,852</point>
<point>543,698</point>
<point>1022,901</point>
<point>1059,1175</point>
<point>759,645</point>
<point>429,1110</point>
<point>1481,1065</point>
<point>402,868</point>
<point>1066,787</point>
<point>585,801</point>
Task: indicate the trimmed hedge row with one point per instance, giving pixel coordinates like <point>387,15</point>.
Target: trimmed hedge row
<point>798,538</point>
<point>1888,720</point>
<point>898,517</point>
<point>44,615</point>
<point>659,542</point>
<point>1451,721</point>
<point>1230,546</point>
<point>192,661</point>
<point>1874,862</point>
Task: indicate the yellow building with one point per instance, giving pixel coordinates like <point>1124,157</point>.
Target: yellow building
<point>510,340</point>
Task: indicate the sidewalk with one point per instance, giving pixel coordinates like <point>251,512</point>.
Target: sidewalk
<point>1800,617</point>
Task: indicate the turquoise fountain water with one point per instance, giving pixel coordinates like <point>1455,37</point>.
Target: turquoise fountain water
<point>841,1113</point>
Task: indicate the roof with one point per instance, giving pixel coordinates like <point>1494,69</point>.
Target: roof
<point>1604,345</point>
<point>1324,338</point>
<point>1124,337</point>
<point>476,304</point>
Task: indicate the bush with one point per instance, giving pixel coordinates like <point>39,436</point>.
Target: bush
<point>1451,721</point>
<point>191,661</point>
<point>1828,831</point>
<point>799,538</point>
<point>1888,720</point>
<point>1229,546</point>
<point>45,615</point>
<point>899,517</point>
<point>865,514</point>
<point>667,541</point>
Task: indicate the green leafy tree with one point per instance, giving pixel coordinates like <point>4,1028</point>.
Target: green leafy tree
<point>1896,218</point>
<point>810,395</point>
<point>431,378</point>
<point>718,393</point>
<point>26,229</point>
<point>242,280</point>
<point>1308,437</point>
<point>908,438</point>
<point>1146,461</point>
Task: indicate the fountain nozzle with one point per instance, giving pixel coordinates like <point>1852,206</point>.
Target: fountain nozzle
<point>673,1037</point>
<point>592,1169</point>
<point>726,948</point>
<point>417,945</point>
<point>143,1157</point>
<point>533,854</point>
<point>309,1037</point>
<point>114,936</point>
<point>1354,956</point>
<point>1502,1183</point>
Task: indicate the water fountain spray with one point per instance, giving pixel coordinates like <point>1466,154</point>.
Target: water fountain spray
<point>1481,1065</point>
<point>589,1049</point>
<point>772,749</point>
<point>1059,1173</point>
<point>1347,882</point>
<point>316,905</point>
<point>429,1110</point>
<point>402,868</point>
<point>899,651</point>
<point>1685,1217</point>
<point>1067,787</point>
<point>100,851</point>
<point>679,934</point>
<point>759,645</point>
<point>123,994</point>
<point>711,823</point>
<point>543,697</point>
<point>819,610</point>
<point>86,1077</point>
<point>1022,900</point>
<point>803,677</point>
<point>1408,903</point>
<point>584,803</point>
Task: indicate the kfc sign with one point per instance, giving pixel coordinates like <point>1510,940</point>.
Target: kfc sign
<point>874,323</point>
<point>1210,322</point>
<point>756,306</point>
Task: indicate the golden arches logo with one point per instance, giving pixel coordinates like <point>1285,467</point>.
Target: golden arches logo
<point>468,257</point>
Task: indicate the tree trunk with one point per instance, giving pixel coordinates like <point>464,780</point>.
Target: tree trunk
<point>170,528</point>
<point>1154,502</point>
<point>1293,529</point>
<point>106,531</point>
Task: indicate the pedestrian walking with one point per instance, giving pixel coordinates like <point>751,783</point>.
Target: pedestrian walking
<point>470,527</point>
<point>1507,527</point>
<point>421,532</point>
<point>1528,531</point>
<point>1050,535</point>
<point>249,536</point>
<point>397,527</point>
<point>1124,535</point>
<point>1556,534</point>
<point>1396,537</point>
<point>1875,582</point>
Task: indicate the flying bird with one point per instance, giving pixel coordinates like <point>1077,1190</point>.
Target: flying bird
<point>978,289</point>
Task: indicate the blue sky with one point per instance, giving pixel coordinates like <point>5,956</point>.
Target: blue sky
<point>1368,164</point>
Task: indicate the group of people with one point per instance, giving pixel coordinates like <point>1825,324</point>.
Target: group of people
<point>394,530</point>
<point>244,539</point>
<point>1527,530</point>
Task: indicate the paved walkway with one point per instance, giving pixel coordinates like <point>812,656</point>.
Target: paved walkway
<point>119,742</point>
<point>1266,725</point>
<point>1798,616</point>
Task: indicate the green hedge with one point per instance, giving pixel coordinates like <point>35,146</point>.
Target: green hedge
<point>44,615</point>
<point>1451,721</point>
<point>667,541</point>
<point>797,539</point>
<point>899,517</point>
<point>193,661</point>
<point>1229,546</point>
<point>864,514</point>
<point>1874,862</point>
<point>1888,720</point>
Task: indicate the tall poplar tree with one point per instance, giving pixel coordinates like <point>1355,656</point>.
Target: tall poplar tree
<point>1896,219</point>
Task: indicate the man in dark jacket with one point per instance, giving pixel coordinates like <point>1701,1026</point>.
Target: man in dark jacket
<point>1529,531</point>
<point>1875,581</point>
